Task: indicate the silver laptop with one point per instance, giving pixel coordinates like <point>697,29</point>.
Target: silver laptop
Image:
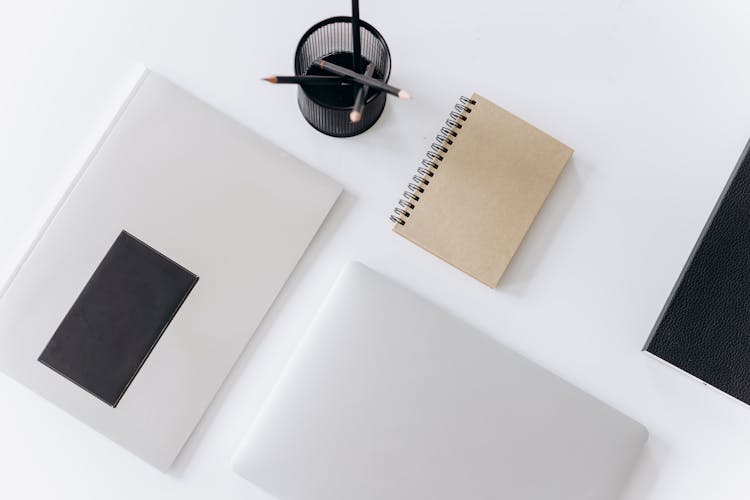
<point>390,397</point>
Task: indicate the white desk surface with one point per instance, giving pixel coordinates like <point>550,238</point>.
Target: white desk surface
<point>653,96</point>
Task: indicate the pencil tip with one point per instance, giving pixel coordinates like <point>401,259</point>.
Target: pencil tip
<point>355,116</point>
<point>402,94</point>
<point>271,79</point>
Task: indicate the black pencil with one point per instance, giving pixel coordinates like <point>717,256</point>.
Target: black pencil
<point>308,79</point>
<point>361,79</point>
<point>356,43</point>
<point>359,100</point>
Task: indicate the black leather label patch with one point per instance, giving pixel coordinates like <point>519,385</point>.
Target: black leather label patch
<point>118,318</point>
<point>705,327</point>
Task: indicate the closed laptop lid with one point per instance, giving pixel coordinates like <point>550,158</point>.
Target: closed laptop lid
<point>390,397</point>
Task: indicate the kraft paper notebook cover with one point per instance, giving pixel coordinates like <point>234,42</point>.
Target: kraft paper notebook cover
<point>157,267</point>
<point>480,188</point>
<point>704,328</point>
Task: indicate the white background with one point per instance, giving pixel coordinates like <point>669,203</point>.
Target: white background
<point>654,96</point>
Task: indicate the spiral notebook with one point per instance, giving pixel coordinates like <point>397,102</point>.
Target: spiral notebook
<point>479,188</point>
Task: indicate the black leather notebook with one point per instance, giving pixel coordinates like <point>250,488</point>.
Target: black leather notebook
<point>704,328</point>
<point>118,318</point>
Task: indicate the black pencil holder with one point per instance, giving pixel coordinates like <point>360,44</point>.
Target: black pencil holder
<point>327,108</point>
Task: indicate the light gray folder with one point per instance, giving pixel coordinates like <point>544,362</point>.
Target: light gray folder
<point>204,191</point>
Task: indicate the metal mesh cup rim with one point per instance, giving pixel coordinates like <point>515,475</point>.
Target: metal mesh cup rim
<point>332,20</point>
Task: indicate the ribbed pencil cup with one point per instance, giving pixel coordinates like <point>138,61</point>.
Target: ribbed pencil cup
<point>327,108</point>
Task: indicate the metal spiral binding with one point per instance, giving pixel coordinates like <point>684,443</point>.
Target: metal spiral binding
<point>433,157</point>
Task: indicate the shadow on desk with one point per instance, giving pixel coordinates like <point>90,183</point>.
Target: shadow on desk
<point>647,471</point>
<point>549,221</point>
<point>340,210</point>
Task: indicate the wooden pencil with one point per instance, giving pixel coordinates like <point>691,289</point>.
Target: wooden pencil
<point>356,43</point>
<point>361,79</point>
<point>309,79</point>
<point>359,100</point>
